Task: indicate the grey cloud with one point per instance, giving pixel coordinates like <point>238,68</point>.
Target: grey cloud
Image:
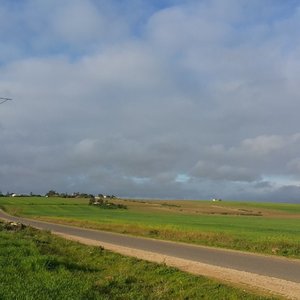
<point>251,161</point>
<point>223,172</point>
<point>289,193</point>
<point>129,157</point>
<point>191,94</point>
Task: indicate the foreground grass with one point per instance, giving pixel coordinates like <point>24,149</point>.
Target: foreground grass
<point>255,227</point>
<point>37,265</point>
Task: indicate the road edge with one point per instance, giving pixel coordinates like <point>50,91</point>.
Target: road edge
<point>269,285</point>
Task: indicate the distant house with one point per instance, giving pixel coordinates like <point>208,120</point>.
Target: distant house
<point>216,199</point>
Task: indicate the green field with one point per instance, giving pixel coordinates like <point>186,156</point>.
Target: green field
<point>37,265</point>
<point>256,227</point>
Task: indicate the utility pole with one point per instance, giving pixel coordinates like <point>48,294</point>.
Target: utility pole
<point>3,99</point>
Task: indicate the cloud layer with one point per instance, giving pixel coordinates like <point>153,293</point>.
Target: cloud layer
<point>176,99</point>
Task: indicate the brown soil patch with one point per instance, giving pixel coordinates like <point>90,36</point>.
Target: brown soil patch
<point>203,208</point>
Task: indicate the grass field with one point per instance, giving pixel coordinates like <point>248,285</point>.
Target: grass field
<point>37,265</point>
<point>256,227</point>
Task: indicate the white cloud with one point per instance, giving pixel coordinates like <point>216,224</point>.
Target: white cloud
<point>78,21</point>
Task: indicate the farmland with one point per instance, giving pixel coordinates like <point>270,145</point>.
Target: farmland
<point>256,227</point>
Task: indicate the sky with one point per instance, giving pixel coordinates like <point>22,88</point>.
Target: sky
<point>173,99</point>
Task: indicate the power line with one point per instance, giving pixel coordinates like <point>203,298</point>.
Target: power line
<point>4,99</point>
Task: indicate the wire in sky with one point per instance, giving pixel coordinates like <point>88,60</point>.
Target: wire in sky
<point>3,99</point>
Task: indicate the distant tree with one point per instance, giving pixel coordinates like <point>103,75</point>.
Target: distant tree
<point>52,193</point>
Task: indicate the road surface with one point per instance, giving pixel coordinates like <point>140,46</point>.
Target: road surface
<point>275,267</point>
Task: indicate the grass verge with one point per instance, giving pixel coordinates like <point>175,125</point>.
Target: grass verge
<point>37,265</point>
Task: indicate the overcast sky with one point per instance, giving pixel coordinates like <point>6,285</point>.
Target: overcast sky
<point>164,98</point>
